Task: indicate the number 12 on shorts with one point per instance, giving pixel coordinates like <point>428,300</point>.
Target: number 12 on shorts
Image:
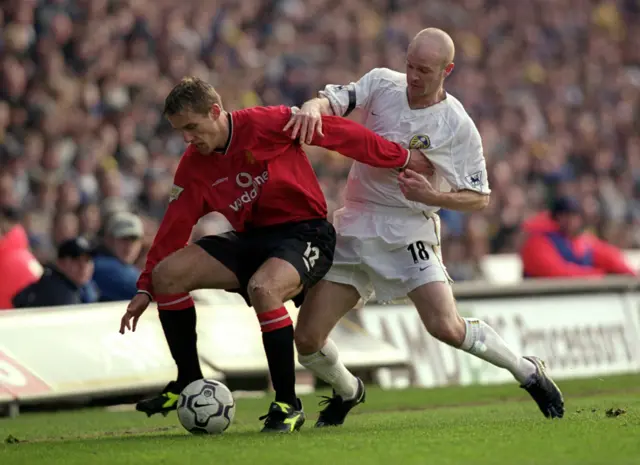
<point>310,256</point>
<point>418,252</point>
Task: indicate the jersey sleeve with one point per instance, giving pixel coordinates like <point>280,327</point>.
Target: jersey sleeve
<point>459,158</point>
<point>359,143</point>
<point>340,135</point>
<point>266,129</point>
<point>186,206</point>
<point>345,99</point>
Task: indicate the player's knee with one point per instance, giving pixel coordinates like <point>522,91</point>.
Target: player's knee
<point>451,331</point>
<point>307,342</point>
<point>260,289</point>
<point>163,280</point>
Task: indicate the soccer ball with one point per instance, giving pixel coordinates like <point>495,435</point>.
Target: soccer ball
<point>206,406</point>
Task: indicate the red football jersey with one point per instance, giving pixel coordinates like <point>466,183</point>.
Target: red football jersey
<point>262,177</point>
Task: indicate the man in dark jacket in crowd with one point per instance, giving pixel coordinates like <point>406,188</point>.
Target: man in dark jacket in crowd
<point>62,282</point>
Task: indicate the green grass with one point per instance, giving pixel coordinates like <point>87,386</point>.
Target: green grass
<point>472,425</point>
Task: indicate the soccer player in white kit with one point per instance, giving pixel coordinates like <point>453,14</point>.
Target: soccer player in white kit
<point>388,231</point>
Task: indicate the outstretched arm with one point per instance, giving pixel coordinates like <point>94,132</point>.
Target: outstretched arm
<point>355,141</point>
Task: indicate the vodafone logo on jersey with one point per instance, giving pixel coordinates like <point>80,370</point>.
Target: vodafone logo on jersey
<point>245,180</point>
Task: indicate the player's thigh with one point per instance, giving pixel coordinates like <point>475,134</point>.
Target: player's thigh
<point>309,248</point>
<point>275,280</point>
<point>396,270</point>
<point>323,307</point>
<point>190,268</point>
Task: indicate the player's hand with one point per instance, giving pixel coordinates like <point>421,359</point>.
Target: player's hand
<point>417,188</point>
<point>136,307</point>
<point>419,163</point>
<point>306,122</point>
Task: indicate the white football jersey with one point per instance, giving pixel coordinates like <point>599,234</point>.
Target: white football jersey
<point>444,132</point>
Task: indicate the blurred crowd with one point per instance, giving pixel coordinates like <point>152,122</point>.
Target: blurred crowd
<point>552,85</point>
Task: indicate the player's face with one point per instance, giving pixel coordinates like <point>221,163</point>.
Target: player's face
<point>200,130</point>
<point>425,72</point>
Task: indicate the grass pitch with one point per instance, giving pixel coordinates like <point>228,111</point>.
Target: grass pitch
<point>470,425</point>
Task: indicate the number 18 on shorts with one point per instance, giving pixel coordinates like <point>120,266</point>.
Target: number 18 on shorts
<point>419,253</point>
<point>424,265</point>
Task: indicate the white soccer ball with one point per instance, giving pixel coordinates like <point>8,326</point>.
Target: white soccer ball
<point>206,406</point>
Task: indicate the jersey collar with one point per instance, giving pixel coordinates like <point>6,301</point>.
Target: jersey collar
<point>223,151</point>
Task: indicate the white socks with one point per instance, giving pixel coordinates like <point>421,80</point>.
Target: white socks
<point>325,364</point>
<point>480,340</point>
<point>483,342</point>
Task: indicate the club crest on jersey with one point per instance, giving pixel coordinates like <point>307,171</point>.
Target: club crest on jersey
<point>175,192</point>
<point>420,141</point>
<point>249,156</point>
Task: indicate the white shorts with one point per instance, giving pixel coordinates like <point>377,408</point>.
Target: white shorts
<point>387,251</point>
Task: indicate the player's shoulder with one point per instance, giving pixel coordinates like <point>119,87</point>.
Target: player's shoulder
<point>189,156</point>
<point>444,123</point>
<point>190,162</point>
<point>261,115</point>
<point>388,77</point>
<point>455,115</point>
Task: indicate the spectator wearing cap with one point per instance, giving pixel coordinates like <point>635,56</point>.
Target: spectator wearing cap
<point>557,247</point>
<point>62,282</point>
<point>115,275</point>
<point>18,266</point>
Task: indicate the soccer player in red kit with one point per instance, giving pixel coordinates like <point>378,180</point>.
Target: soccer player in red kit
<point>243,165</point>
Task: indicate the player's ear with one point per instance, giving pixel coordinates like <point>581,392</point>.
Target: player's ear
<point>215,112</point>
<point>448,69</point>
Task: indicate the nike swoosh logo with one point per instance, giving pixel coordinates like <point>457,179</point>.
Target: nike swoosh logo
<point>375,114</point>
<point>198,405</point>
<point>422,269</point>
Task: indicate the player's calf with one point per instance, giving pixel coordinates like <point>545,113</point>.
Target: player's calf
<point>450,329</point>
<point>348,391</point>
<point>437,310</point>
<point>323,307</point>
<point>187,269</point>
<point>308,342</point>
<point>275,282</point>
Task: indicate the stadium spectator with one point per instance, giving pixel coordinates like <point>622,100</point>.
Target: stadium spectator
<point>62,283</point>
<point>115,275</point>
<point>18,266</point>
<point>553,86</point>
<point>557,247</point>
